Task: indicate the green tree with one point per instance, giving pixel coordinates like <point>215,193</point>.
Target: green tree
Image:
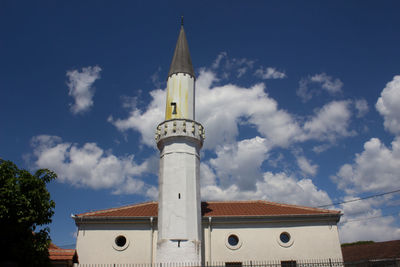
<point>25,206</point>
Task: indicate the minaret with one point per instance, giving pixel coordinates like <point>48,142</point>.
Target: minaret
<point>179,139</point>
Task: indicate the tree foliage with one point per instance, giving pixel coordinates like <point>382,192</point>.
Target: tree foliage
<point>25,206</point>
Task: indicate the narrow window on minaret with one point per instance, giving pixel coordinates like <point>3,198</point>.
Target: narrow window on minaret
<point>173,104</point>
<point>179,195</point>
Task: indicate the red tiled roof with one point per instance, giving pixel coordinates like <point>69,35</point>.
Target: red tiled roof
<point>59,254</point>
<point>371,251</point>
<point>215,209</point>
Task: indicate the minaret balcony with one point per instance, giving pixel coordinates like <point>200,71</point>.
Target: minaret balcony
<point>184,128</point>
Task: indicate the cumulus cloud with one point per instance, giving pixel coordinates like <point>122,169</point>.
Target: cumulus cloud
<point>80,87</point>
<point>90,166</point>
<point>269,73</point>
<point>239,163</point>
<point>388,105</point>
<point>235,173</point>
<point>376,169</point>
<point>220,109</point>
<point>306,166</point>
<point>146,121</point>
<point>363,220</point>
<point>323,81</point>
<point>361,106</point>
<point>234,169</point>
<point>277,187</point>
<point>329,122</point>
<point>377,229</point>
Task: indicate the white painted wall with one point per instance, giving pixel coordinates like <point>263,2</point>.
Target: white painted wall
<point>259,241</point>
<point>179,212</point>
<point>96,243</point>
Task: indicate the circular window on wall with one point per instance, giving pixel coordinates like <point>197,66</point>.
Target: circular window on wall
<point>233,241</point>
<point>120,242</point>
<point>285,239</point>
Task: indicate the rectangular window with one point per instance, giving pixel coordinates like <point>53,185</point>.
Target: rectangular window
<point>173,104</point>
<point>233,264</point>
<point>288,263</point>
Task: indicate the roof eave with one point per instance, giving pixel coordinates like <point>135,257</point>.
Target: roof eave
<point>114,219</point>
<point>333,217</point>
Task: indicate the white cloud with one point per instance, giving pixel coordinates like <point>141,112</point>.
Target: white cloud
<point>218,60</point>
<point>388,105</point>
<point>362,107</point>
<point>329,123</point>
<point>229,104</point>
<point>362,220</point>
<point>277,187</point>
<point>376,169</point>
<point>306,167</point>
<point>235,171</point>
<point>81,89</point>
<point>377,229</point>
<point>228,65</point>
<point>220,109</point>
<point>89,166</point>
<point>326,82</point>
<point>269,73</point>
<point>239,163</point>
<point>144,122</point>
<point>155,78</point>
<point>321,148</point>
<point>207,175</point>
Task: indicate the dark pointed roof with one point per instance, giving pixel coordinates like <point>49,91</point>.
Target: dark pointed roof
<point>181,62</point>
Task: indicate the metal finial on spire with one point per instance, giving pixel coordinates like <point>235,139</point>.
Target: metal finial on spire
<point>181,20</point>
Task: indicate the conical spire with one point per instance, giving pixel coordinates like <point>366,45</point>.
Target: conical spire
<point>181,62</point>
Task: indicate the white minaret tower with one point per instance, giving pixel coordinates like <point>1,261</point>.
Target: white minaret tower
<point>179,139</point>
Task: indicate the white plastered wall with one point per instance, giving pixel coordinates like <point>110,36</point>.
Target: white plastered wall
<point>315,240</point>
<point>96,243</point>
<point>179,203</point>
<point>259,242</point>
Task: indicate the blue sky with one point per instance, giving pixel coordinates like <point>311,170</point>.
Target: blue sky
<point>299,100</point>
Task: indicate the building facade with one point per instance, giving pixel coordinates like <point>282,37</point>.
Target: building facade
<point>179,227</point>
<point>232,231</point>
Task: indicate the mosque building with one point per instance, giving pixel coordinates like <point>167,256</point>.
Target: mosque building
<point>179,228</point>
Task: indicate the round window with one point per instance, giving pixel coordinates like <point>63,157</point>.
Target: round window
<point>284,237</point>
<point>285,240</point>
<point>233,241</point>
<point>120,241</point>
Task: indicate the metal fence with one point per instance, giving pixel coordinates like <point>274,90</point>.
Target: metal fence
<point>274,263</point>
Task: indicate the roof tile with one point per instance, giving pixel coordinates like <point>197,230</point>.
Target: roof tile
<point>214,209</point>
